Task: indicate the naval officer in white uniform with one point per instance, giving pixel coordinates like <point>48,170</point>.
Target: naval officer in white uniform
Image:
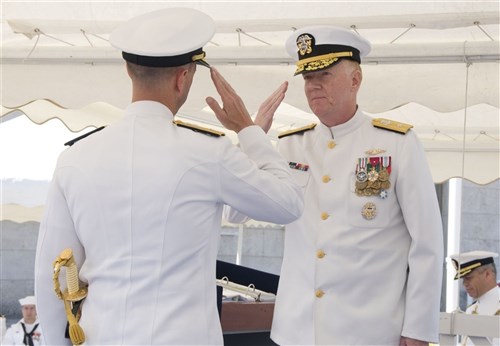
<point>363,264</point>
<point>479,276</point>
<point>140,202</point>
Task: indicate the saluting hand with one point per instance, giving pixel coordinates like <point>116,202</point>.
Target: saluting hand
<point>265,115</point>
<point>233,114</point>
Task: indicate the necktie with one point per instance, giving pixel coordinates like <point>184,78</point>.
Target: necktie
<point>28,337</point>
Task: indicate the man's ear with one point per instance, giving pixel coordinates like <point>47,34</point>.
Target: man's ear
<point>181,78</point>
<point>357,77</point>
<point>488,272</point>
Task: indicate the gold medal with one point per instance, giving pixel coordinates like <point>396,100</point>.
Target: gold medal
<point>367,192</point>
<point>372,175</point>
<point>385,185</point>
<point>383,175</point>
<point>360,185</point>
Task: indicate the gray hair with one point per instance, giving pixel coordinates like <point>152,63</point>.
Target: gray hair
<point>489,266</point>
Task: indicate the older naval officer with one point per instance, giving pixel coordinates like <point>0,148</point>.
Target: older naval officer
<point>140,202</point>
<point>479,277</point>
<point>363,264</point>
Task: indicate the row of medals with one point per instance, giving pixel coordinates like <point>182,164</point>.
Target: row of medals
<point>372,182</point>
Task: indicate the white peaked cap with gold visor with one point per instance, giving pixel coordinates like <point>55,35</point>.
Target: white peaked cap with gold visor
<point>321,46</point>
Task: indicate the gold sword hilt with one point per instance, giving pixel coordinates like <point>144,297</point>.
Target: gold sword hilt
<point>72,294</point>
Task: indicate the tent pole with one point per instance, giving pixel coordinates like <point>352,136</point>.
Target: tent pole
<point>453,241</point>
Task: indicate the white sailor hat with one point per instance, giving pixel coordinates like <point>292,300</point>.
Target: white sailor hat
<point>29,300</point>
<point>318,47</point>
<point>165,38</point>
<point>466,262</point>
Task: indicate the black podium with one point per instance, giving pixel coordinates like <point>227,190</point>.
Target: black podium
<point>246,323</point>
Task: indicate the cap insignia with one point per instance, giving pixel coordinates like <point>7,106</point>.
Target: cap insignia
<point>304,44</point>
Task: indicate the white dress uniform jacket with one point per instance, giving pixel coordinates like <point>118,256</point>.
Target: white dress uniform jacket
<point>15,334</point>
<point>140,204</point>
<point>347,279</point>
<point>487,304</point>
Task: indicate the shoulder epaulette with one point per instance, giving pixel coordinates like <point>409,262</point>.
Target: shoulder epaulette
<point>391,125</point>
<point>73,141</point>
<point>200,129</point>
<point>300,130</point>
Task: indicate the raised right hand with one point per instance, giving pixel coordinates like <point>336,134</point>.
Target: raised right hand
<point>265,115</point>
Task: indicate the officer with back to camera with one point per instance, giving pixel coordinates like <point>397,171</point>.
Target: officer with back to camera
<point>140,202</point>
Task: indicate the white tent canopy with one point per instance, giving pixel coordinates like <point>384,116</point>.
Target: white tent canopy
<point>433,64</point>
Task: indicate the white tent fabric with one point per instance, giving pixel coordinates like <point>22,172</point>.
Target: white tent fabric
<point>423,52</point>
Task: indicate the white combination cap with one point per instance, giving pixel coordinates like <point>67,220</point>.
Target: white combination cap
<point>318,47</point>
<point>165,38</point>
<point>466,262</point>
<point>29,300</point>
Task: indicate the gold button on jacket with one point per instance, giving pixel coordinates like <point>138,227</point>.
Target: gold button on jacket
<point>319,293</point>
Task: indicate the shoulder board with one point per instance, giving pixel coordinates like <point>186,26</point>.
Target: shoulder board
<point>300,130</point>
<point>73,141</point>
<point>200,129</point>
<point>391,125</point>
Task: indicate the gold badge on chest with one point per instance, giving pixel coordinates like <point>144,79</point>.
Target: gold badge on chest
<point>369,211</point>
